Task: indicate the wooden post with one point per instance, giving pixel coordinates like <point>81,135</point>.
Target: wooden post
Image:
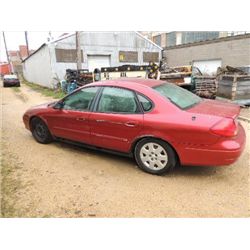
<point>78,51</point>
<point>234,88</point>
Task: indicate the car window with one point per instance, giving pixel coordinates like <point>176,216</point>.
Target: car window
<point>81,100</point>
<point>180,97</point>
<point>145,102</point>
<point>117,100</point>
<point>10,77</point>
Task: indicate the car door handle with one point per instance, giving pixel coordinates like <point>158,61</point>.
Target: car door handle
<point>81,119</point>
<point>130,124</point>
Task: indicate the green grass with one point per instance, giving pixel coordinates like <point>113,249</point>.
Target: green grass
<point>56,94</point>
<point>16,89</point>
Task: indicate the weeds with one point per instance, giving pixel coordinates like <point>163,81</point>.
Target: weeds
<point>56,94</point>
<point>16,89</point>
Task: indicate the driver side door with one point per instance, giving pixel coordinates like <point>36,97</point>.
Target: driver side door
<point>72,120</point>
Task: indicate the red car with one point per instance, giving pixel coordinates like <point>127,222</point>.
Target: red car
<point>158,123</point>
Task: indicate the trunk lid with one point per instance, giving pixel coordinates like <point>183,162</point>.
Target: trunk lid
<point>216,108</point>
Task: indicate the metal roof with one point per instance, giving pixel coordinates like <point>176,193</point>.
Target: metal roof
<point>73,33</point>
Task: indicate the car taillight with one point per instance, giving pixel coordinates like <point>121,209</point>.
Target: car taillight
<point>226,127</point>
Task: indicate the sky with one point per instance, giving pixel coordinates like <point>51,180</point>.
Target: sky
<point>16,38</point>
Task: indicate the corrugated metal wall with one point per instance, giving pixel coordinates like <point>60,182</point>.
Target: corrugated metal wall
<point>103,43</point>
<point>42,67</point>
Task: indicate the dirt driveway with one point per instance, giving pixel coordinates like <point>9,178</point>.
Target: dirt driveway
<point>59,180</point>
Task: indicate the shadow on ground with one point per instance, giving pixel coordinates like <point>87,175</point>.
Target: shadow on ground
<point>178,171</point>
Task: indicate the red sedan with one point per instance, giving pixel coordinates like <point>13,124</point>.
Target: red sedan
<point>158,123</point>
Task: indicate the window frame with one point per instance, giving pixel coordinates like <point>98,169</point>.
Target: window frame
<point>75,92</point>
<point>146,97</point>
<point>97,101</point>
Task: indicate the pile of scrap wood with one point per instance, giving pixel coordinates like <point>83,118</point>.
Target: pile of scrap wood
<point>190,78</point>
<point>205,86</point>
<point>82,76</point>
<point>176,74</point>
<point>228,70</point>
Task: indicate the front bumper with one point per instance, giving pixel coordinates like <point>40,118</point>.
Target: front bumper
<point>11,84</point>
<point>26,121</point>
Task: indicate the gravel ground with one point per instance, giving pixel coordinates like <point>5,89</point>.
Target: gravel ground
<point>60,180</point>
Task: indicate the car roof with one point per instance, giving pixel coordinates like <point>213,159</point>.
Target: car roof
<point>131,83</point>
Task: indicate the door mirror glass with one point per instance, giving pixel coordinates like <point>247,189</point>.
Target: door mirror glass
<point>59,105</point>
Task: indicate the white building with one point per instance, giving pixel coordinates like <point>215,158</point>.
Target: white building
<point>48,63</point>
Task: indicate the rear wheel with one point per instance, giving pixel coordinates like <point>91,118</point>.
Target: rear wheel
<point>40,131</point>
<point>155,156</point>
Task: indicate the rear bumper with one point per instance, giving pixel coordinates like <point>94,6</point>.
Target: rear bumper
<point>225,152</point>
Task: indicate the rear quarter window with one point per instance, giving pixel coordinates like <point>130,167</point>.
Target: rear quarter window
<point>146,104</point>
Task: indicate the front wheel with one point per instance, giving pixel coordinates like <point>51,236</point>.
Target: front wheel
<point>155,156</point>
<point>40,131</point>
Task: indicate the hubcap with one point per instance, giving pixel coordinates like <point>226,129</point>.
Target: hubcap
<point>153,156</point>
<point>40,130</point>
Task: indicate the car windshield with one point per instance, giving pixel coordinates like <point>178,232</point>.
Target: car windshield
<point>180,97</point>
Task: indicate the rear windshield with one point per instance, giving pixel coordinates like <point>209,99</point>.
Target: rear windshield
<point>10,77</point>
<point>180,97</point>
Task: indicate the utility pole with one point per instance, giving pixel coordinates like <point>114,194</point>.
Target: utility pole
<point>7,54</point>
<point>6,50</point>
<point>27,43</point>
<point>78,51</point>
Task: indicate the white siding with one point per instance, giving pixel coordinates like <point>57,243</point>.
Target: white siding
<point>37,68</point>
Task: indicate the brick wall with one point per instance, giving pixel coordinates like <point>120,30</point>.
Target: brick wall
<point>23,51</point>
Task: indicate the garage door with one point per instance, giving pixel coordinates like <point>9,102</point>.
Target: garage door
<point>97,61</point>
<point>207,66</point>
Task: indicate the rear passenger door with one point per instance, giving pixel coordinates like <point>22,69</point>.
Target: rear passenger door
<point>116,120</point>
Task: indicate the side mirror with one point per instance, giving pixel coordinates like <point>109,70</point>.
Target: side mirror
<point>58,105</point>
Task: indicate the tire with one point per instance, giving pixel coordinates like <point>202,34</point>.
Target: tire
<point>40,131</point>
<point>155,156</point>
